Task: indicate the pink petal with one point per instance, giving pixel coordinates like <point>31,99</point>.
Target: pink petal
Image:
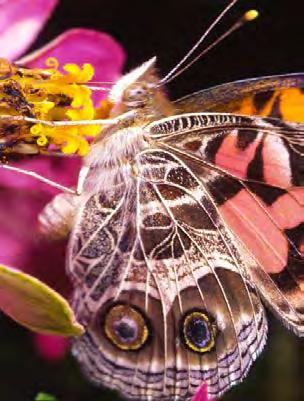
<point>201,394</point>
<point>20,23</point>
<point>63,170</point>
<point>83,46</point>
<point>52,348</point>
<point>22,198</point>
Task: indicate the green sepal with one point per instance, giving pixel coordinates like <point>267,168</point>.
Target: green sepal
<point>45,397</point>
<point>35,305</point>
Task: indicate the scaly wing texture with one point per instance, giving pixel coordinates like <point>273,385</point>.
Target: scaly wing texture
<point>161,286</point>
<point>257,185</point>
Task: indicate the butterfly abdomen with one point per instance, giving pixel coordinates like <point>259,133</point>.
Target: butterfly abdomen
<point>57,218</point>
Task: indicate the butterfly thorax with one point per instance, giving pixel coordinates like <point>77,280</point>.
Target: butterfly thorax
<point>110,160</point>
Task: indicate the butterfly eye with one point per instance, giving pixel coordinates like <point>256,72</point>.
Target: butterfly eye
<point>136,95</point>
<point>198,331</point>
<point>126,327</point>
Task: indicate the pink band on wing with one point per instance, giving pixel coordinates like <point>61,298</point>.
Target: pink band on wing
<point>260,235</point>
<point>232,158</point>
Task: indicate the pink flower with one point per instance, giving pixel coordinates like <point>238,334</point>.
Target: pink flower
<point>23,198</point>
<point>51,348</point>
<point>20,23</point>
<point>201,394</point>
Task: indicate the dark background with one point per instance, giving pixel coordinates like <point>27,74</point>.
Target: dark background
<point>272,44</point>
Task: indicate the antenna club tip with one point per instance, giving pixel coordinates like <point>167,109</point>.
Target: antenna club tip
<point>251,15</point>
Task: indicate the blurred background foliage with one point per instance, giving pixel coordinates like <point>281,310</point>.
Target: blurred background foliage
<point>273,44</point>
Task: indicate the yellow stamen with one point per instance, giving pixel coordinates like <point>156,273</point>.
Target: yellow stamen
<point>42,140</point>
<point>53,95</point>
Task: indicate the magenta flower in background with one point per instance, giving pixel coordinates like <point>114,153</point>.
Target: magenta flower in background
<point>201,394</point>
<point>20,23</point>
<point>23,198</point>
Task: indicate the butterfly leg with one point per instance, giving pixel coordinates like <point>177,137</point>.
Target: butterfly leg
<point>81,179</point>
<point>109,121</point>
<point>57,218</point>
<point>39,177</point>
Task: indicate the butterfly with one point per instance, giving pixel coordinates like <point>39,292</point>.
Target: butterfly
<point>190,219</point>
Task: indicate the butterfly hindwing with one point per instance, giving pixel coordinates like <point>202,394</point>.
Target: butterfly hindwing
<point>161,287</point>
<point>265,210</point>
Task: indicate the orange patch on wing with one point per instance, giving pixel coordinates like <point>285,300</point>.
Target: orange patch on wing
<point>292,105</point>
<point>247,107</point>
<point>290,108</point>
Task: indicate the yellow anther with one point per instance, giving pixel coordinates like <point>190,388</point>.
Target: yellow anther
<point>36,129</point>
<point>44,107</point>
<point>87,73</point>
<point>77,102</point>
<point>42,140</point>
<point>70,147</point>
<point>58,95</point>
<point>52,63</point>
<point>72,69</point>
<point>251,15</point>
<point>83,147</point>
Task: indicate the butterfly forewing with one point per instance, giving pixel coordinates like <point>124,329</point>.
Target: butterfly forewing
<point>256,185</point>
<point>275,96</point>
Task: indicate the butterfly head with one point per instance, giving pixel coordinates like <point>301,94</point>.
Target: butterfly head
<point>135,87</point>
<point>138,89</point>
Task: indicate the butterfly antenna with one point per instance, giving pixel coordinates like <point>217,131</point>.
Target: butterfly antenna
<point>198,43</point>
<point>247,17</point>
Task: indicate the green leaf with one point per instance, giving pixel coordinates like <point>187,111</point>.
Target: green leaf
<point>35,305</point>
<point>45,397</point>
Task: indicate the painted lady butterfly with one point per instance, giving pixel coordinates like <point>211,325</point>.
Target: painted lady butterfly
<point>188,221</point>
<point>191,215</point>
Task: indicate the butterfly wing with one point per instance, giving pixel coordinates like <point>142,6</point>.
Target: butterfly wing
<point>257,185</point>
<point>167,267</point>
<point>279,96</point>
<point>161,287</point>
